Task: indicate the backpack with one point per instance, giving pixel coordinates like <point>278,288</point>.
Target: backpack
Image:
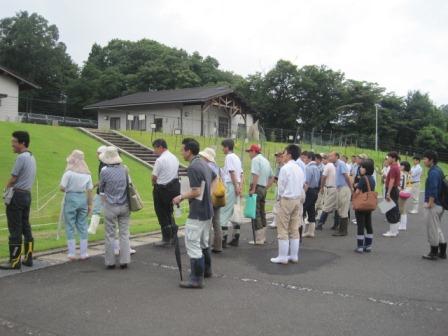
<point>444,191</point>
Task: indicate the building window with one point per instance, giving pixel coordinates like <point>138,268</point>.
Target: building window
<point>159,124</point>
<point>115,123</point>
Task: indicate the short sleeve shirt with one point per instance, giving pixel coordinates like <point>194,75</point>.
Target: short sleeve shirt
<point>166,168</point>
<point>330,174</point>
<point>362,185</point>
<point>341,170</point>
<point>416,173</point>
<point>25,171</point>
<point>394,173</point>
<point>261,167</point>
<point>232,163</point>
<point>200,173</point>
<point>76,182</point>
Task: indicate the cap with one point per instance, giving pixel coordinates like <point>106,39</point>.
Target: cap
<point>254,148</point>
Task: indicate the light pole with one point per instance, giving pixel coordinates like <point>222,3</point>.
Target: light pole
<point>377,106</point>
<point>299,122</point>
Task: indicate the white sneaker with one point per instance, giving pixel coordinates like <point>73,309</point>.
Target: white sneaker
<point>393,231</point>
<point>133,251</point>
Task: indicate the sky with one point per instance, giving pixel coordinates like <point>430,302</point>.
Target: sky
<point>400,44</point>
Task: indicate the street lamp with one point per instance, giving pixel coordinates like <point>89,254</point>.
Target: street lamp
<point>377,106</point>
<point>299,122</point>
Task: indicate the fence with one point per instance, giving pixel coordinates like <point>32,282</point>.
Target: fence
<point>46,119</point>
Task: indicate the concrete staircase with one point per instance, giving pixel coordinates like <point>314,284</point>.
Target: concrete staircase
<point>134,149</point>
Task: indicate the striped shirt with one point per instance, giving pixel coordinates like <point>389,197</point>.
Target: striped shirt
<point>113,184</point>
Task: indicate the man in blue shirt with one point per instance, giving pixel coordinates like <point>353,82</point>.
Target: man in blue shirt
<point>312,184</point>
<point>433,210</point>
<point>344,189</point>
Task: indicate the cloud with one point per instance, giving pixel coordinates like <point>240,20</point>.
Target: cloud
<point>399,44</point>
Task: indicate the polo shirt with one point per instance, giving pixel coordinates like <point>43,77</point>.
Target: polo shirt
<point>166,168</point>
<point>232,163</point>
<point>341,170</point>
<point>261,167</point>
<point>25,171</point>
<point>394,172</point>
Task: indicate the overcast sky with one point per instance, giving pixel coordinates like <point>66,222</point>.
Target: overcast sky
<point>400,44</point>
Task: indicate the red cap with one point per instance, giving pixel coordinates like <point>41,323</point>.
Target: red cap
<point>254,148</point>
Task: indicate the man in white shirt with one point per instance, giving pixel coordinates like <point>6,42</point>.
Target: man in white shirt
<point>289,216</point>
<point>166,186</point>
<point>232,174</point>
<point>416,175</point>
<point>328,191</point>
<point>300,162</point>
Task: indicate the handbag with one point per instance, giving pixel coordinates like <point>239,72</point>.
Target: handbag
<point>405,194</point>
<point>219,194</point>
<point>134,199</point>
<point>250,209</point>
<point>365,201</point>
<point>8,193</point>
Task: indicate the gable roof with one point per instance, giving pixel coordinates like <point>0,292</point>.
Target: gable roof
<point>22,82</point>
<point>190,95</point>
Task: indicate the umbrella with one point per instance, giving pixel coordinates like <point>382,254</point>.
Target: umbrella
<point>253,230</point>
<point>61,217</point>
<point>176,246</point>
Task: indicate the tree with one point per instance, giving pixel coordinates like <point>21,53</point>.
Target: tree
<point>30,46</point>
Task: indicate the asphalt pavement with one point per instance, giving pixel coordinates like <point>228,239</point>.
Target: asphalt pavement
<point>332,291</point>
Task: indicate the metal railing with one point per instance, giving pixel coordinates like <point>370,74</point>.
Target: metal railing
<point>46,119</point>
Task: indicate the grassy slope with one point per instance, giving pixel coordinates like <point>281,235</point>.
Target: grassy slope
<point>51,145</point>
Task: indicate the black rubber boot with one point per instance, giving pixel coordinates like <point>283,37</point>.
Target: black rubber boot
<point>336,221</point>
<point>322,220</point>
<point>207,263</point>
<point>15,258</point>
<point>235,240</point>
<point>28,253</point>
<point>343,226</point>
<point>197,275</point>
<point>433,254</point>
<point>442,250</point>
<point>224,241</point>
<point>300,233</point>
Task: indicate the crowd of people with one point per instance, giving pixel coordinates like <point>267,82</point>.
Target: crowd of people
<point>309,188</point>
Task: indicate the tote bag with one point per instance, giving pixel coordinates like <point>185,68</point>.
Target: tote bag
<point>250,209</point>
<point>135,201</point>
<point>366,201</point>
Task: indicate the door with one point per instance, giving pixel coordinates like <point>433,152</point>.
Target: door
<point>115,123</point>
<point>223,127</point>
<point>159,124</point>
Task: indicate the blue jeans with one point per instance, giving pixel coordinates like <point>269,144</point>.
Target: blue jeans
<point>75,215</point>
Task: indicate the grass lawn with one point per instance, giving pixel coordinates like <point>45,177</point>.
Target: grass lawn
<point>51,145</point>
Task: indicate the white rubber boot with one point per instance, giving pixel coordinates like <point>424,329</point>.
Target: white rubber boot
<point>393,231</point>
<point>403,223</point>
<point>83,249</point>
<point>283,248</point>
<point>94,222</point>
<point>311,230</point>
<point>71,246</point>
<point>294,245</point>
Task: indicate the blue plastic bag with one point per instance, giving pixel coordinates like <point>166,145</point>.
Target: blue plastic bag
<point>250,208</point>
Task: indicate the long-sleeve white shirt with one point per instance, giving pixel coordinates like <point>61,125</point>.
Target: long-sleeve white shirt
<point>291,180</point>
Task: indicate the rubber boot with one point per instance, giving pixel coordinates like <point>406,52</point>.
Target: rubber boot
<point>359,244</point>
<point>15,258</point>
<point>294,245</point>
<point>322,220</point>
<point>207,263</point>
<point>236,235</point>
<point>83,249</point>
<point>336,221</point>
<point>283,249</point>
<point>442,250</point>
<point>94,222</point>
<point>197,274</point>
<point>403,222</point>
<point>311,230</point>
<point>368,240</point>
<point>343,226</point>
<point>301,232</point>
<point>71,247</point>
<point>224,236</point>
<point>260,237</point>
<point>433,254</point>
<point>393,231</point>
<point>28,253</point>
<point>305,230</point>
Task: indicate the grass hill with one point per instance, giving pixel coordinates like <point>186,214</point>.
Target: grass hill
<point>51,145</point>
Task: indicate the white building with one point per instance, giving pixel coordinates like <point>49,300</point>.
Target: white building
<point>10,86</point>
<point>194,111</point>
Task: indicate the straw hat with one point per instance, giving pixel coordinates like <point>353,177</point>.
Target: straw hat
<point>209,154</point>
<point>363,156</point>
<point>76,163</point>
<point>110,156</point>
